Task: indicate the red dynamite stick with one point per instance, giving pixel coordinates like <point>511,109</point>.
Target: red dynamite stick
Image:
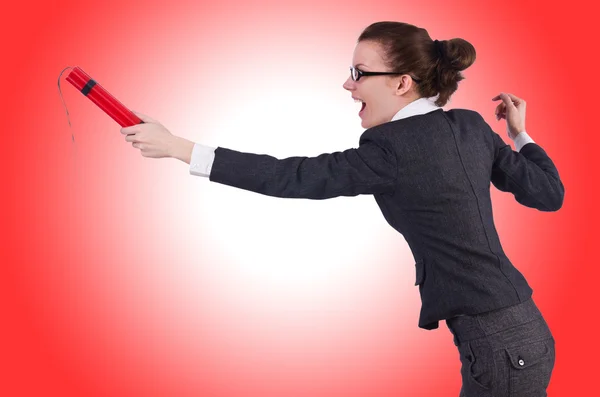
<point>102,98</point>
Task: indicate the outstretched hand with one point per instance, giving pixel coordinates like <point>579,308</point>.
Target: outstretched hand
<point>151,137</point>
<point>512,109</point>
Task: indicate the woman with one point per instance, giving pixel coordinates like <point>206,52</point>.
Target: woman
<point>429,171</point>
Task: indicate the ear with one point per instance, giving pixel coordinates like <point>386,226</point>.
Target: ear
<point>404,84</point>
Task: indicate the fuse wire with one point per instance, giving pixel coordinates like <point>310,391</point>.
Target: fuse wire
<point>64,104</point>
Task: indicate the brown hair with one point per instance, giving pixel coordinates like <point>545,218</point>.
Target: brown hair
<point>436,64</point>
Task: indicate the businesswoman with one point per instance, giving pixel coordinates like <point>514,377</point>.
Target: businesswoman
<point>429,171</point>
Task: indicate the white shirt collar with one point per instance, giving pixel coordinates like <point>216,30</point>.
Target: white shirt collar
<point>418,107</point>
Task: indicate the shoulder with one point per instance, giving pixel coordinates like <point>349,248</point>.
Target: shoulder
<point>377,134</point>
<point>464,114</point>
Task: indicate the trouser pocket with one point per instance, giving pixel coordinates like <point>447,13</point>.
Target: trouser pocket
<point>531,367</point>
<point>478,369</point>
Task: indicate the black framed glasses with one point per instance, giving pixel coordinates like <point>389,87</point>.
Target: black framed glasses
<point>356,74</point>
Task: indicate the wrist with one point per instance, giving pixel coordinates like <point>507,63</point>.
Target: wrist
<point>182,149</point>
<point>520,128</point>
<point>522,139</point>
<point>514,133</point>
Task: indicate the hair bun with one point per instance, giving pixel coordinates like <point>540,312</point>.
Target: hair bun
<point>460,54</point>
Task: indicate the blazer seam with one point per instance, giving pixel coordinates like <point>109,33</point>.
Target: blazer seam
<point>479,207</point>
<point>391,146</point>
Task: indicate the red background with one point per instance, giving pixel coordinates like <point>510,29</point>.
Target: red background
<point>126,276</point>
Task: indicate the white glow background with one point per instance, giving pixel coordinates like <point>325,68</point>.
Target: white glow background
<point>142,279</point>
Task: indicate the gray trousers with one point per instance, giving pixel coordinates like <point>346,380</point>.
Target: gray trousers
<point>507,352</point>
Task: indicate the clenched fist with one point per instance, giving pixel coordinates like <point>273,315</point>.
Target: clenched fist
<point>151,137</point>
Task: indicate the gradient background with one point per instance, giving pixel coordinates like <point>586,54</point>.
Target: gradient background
<point>126,276</point>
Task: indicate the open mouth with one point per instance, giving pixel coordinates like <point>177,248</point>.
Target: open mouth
<point>362,107</point>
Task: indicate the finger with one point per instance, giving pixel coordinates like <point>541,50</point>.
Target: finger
<point>518,102</point>
<point>132,138</point>
<point>514,98</point>
<point>506,97</point>
<point>507,101</point>
<point>145,118</point>
<point>132,129</point>
<point>499,110</point>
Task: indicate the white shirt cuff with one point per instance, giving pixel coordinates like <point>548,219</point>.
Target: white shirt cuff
<point>202,160</point>
<point>521,140</point>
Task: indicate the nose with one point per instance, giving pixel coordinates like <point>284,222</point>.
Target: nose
<point>349,84</point>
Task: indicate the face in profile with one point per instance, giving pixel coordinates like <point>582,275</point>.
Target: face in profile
<point>378,94</point>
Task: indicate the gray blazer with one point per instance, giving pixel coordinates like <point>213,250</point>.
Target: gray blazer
<point>430,174</point>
